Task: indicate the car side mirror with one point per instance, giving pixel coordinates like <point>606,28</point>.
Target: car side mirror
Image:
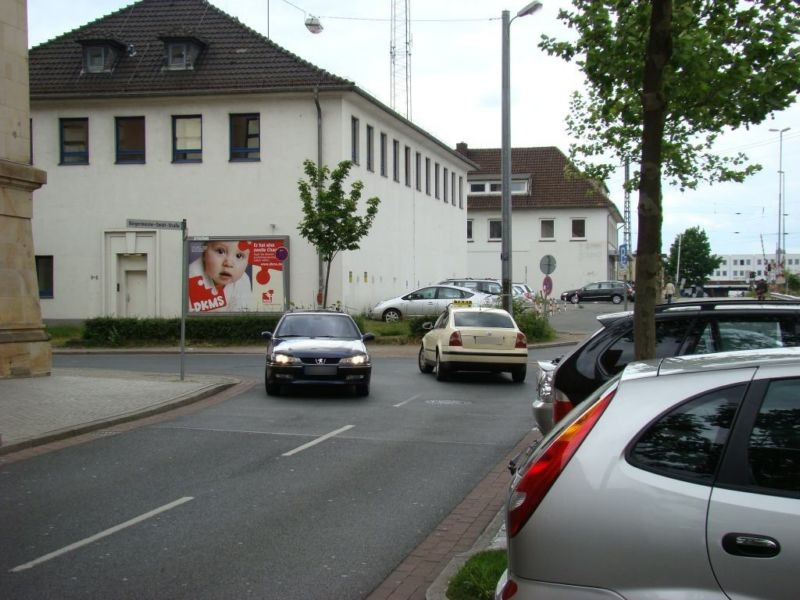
<point>367,337</point>
<point>427,325</point>
<point>267,335</point>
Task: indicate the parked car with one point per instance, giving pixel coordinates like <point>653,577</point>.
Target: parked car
<point>524,290</point>
<point>428,301</point>
<point>317,347</point>
<point>691,327</point>
<point>474,339</point>
<point>615,291</point>
<point>678,478</point>
<point>486,286</point>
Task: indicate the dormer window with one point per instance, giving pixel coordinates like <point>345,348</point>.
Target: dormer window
<point>100,54</point>
<point>177,55</point>
<point>181,51</point>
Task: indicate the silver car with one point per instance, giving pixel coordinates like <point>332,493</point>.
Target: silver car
<point>429,301</point>
<point>678,478</point>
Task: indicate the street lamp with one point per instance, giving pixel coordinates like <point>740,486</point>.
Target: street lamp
<point>505,154</point>
<point>781,217</point>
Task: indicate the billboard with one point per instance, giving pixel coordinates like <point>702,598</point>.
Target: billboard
<point>237,275</point>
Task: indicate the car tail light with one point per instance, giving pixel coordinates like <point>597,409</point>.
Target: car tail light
<point>542,473</point>
<point>561,405</point>
<point>522,341</point>
<point>455,339</point>
<point>509,589</point>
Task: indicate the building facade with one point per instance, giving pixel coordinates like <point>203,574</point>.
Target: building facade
<point>169,111</point>
<point>557,219</point>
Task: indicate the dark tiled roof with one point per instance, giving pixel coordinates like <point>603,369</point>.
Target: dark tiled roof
<point>236,58</point>
<point>551,185</point>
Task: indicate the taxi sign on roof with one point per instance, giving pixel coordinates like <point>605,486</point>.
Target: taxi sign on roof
<point>462,303</point>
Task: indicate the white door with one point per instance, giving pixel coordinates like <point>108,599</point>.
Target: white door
<point>135,293</point>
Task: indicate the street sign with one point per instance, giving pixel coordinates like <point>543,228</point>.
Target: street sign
<point>151,224</point>
<point>547,264</point>
<point>547,285</point>
<point>623,255</point>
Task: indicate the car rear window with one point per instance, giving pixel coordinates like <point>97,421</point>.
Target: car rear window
<point>482,319</point>
<point>747,333</point>
<point>669,337</point>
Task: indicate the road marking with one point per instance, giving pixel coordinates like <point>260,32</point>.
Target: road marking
<point>321,438</point>
<point>102,534</point>
<point>414,397</point>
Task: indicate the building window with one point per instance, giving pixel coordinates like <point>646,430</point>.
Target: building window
<point>445,188</point>
<point>95,58</point>
<point>519,187</point>
<point>74,135</point>
<point>453,188</point>
<point>396,160</point>
<point>495,230</point>
<point>354,135</point>
<point>245,137</point>
<point>477,188</point>
<point>418,171</point>
<point>436,180</point>
<point>548,229</point>
<point>178,56</point>
<point>578,229</point>
<point>428,176</point>
<point>460,192</point>
<point>407,160</point>
<point>44,275</point>
<point>383,154</point>
<point>187,138</point>
<point>130,140</point>
<point>370,148</point>
<point>495,188</point>
<point>469,230</point>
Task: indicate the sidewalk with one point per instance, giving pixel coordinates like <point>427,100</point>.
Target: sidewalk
<point>70,402</point>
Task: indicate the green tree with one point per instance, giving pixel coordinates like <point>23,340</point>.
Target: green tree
<point>330,220</point>
<point>662,85</point>
<point>696,261</point>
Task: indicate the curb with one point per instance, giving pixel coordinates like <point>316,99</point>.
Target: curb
<point>133,415</point>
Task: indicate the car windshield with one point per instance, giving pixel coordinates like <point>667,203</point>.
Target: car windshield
<point>332,326</point>
<point>482,319</point>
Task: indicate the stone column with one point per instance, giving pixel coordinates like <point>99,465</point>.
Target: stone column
<point>24,345</point>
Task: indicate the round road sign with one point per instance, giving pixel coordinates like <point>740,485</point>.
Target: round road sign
<point>547,264</point>
<point>547,285</point>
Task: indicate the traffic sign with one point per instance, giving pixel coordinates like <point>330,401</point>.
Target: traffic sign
<point>547,264</point>
<point>547,285</point>
<point>623,255</point>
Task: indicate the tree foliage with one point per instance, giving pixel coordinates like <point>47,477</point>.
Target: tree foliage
<point>662,85</point>
<point>697,263</point>
<point>331,222</point>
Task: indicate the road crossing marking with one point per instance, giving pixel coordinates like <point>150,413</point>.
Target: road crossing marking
<point>102,534</point>
<point>321,438</point>
<point>414,397</point>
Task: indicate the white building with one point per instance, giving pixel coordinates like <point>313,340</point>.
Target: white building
<point>164,111</point>
<point>556,215</point>
<point>745,267</point>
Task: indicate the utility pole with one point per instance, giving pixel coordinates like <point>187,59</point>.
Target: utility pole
<point>678,264</point>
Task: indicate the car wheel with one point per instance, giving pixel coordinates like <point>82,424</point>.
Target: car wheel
<point>440,369</point>
<point>392,315</point>
<point>518,374</point>
<point>362,389</point>
<point>273,389</point>
<point>574,299</point>
<point>422,363</point>
<point>616,299</point>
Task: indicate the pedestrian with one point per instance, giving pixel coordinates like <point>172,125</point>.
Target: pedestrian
<point>669,292</point>
<point>761,289</point>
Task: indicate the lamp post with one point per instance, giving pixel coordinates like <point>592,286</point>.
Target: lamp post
<point>505,153</point>
<point>781,219</point>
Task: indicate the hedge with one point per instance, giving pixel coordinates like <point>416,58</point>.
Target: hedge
<point>244,329</point>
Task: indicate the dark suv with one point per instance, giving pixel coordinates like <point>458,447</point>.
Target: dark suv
<point>692,327</point>
<point>615,291</point>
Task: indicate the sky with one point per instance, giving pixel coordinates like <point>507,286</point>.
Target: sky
<point>456,95</point>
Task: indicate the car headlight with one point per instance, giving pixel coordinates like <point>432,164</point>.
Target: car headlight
<point>284,359</point>
<point>353,361</point>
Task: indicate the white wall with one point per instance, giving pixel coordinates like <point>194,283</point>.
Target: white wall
<point>413,238</point>
<point>578,262</point>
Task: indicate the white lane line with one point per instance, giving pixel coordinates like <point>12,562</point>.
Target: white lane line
<point>414,397</point>
<point>321,438</point>
<point>102,534</point>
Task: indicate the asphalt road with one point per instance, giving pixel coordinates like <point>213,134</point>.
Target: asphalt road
<point>311,495</point>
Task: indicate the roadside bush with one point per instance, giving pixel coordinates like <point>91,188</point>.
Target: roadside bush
<point>535,327</point>
<point>415,326</point>
<point>199,330</point>
<point>478,577</point>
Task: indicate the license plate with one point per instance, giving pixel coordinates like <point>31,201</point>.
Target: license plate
<point>488,340</point>
<point>321,370</point>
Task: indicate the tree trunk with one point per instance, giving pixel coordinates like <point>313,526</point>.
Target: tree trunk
<point>648,248</point>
